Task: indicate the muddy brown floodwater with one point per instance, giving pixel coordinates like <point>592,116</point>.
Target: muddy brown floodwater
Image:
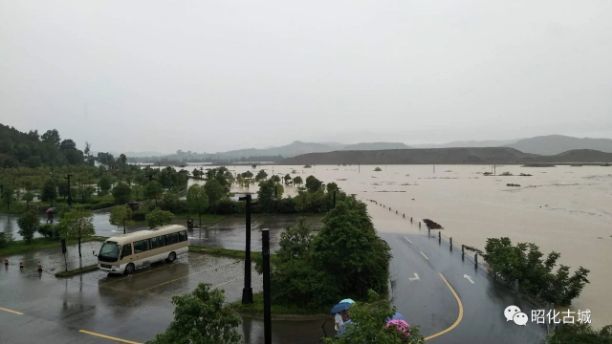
<point>564,208</point>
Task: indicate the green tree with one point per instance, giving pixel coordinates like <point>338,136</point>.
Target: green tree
<point>201,318</point>
<point>121,215</point>
<point>261,175</point>
<point>122,193</point>
<point>28,224</point>
<point>104,184</point>
<point>275,179</point>
<point>287,179</point>
<point>313,184</point>
<point>28,197</point>
<point>348,249</point>
<point>49,191</point>
<point>7,195</point>
<point>580,333</point>
<point>197,174</point>
<point>525,264</point>
<point>158,217</point>
<point>215,191</point>
<point>197,201</point>
<point>170,201</point>
<point>77,224</point>
<point>295,279</point>
<point>5,239</point>
<point>153,190</point>
<point>298,181</point>
<point>266,195</point>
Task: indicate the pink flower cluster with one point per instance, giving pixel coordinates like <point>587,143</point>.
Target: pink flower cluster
<point>400,326</point>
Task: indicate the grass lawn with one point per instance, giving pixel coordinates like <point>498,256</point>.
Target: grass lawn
<point>287,312</point>
<point>222,252</point>
<point>70,273</point>
<point>20,246</point>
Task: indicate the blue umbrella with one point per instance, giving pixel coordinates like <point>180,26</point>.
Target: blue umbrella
<point>347,301</point>
<point>397,316</point>
<point>340,307</point>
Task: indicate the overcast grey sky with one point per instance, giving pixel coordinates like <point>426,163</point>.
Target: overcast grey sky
<point>152,75</point>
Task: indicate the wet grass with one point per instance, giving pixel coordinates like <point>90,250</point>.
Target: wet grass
<point>21,246</point>
<point>279,312</point>
<point>70,273</point>
<point>222,252</point>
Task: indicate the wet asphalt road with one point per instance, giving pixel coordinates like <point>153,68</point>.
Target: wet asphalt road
<point>429,302</point>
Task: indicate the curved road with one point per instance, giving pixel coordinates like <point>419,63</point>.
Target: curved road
<point>450,300</point>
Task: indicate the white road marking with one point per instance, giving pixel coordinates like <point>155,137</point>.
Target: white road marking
<point>467,277</point>
<point>408,240</point>
<point>424,255</point>
<point>415,278</point>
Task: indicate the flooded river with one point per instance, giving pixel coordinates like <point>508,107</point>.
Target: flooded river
<point>564,208</point>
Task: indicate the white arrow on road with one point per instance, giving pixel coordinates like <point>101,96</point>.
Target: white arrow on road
<point>467,277</point>
<point>415,278</point>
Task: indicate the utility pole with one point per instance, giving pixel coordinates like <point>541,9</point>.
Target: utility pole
<point>247,291</point>
<point>265,252</point>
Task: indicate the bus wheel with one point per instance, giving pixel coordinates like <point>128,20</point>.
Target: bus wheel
<point>171,257</point>
<point>129,269</point>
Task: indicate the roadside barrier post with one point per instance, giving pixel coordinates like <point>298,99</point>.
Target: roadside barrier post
<point>451,243</point>
<point>439,238</point>
<point>462,253</point>
<point>476,261</point>
<point>265,253</point>
<point>428,231</point>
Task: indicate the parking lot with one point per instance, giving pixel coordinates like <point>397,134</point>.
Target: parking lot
<point>97,308</point>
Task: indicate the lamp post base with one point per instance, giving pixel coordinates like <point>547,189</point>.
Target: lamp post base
<point>247,296</point>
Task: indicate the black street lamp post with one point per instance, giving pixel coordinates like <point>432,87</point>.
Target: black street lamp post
<point>265,252</point>
<point>247,291</point>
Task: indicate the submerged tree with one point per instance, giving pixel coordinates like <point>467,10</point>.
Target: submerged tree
<point>201,318</point>
<point>121,215</point>
<point>525,264</point>
<point>28,222</point>
<point>197,201</point>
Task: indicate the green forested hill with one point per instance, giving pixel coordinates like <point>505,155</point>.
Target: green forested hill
<point>33,150</point>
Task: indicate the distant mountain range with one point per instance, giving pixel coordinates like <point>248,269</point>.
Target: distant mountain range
<point>472,155</point>
<point>272,153</point>
<point>544,145</point>
<point>541,145</point>
<point>556,144</point>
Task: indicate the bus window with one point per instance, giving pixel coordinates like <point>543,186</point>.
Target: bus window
<point>141,246</point>
<point>126,250</point>
<point>171,238</point>
<point>157,242</point>
<point>182,236</point>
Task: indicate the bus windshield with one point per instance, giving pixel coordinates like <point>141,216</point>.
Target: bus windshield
<point>109,252</point>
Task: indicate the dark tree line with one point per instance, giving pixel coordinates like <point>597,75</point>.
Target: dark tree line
<point>32,149</point>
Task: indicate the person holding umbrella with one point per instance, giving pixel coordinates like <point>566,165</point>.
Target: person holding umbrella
<point>341,315</point>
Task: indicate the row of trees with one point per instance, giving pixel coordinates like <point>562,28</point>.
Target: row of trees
<point>535,274</point>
